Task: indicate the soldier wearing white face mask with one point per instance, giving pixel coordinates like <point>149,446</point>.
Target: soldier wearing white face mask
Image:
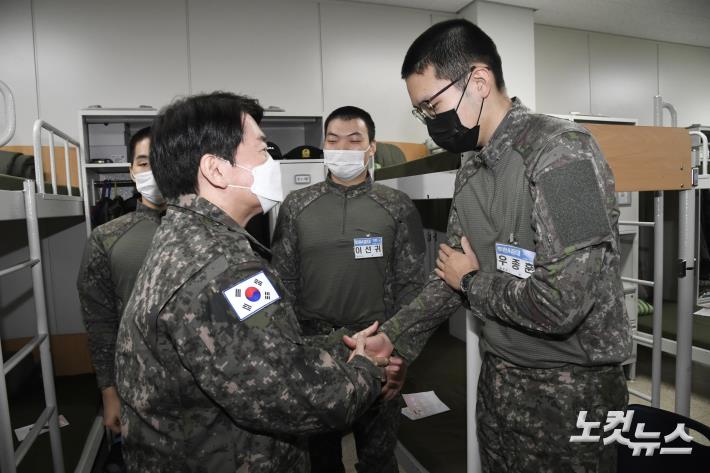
<point>112,257</point>
<point>267,183</point>
<point>351,252</point>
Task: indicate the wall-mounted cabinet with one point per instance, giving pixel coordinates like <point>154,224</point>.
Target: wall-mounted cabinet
<point>683,73</point>
<point>105,134</point>
<point>601,74</point>
<point>363,49</point>
<point>290,132</point>
<point>18,67</point>
<point>623,76</point>
<point>561,70</point>
<point>269,50</point>
<point>119,54</point>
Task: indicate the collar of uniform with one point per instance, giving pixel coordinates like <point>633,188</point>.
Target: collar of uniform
<point>349,191</point>
<point>149,213</point>
<point>196,204</point>
<point>502,138</point>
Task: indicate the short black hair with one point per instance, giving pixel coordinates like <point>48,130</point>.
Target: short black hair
<point>451,47</point>
<point>191,127</point>
<point>139,136</point>
<point>350,112</point>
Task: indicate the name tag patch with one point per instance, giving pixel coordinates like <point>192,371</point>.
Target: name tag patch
<point>514,260</point>
<point>249,296</point>
<point>369,247</point>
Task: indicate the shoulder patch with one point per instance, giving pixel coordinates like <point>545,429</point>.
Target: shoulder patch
<point>575,203</point>
<point>250,295</point>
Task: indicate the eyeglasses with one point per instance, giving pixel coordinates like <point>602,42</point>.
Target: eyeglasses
<point>426,110</point>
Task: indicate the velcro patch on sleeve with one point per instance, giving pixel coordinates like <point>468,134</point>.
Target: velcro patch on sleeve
<point>574,203</point>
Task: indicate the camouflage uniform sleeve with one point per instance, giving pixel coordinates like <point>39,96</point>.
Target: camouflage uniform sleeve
<point>260,371</point>
<point>411,327</point>
<point>284,246</point>
<point>99,308</point>
<point>409,274</point>
<point>332,343</point>
<point>574,232</point>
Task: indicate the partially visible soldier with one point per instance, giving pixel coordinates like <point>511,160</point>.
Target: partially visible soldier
<point>533,247</point>
<point>352,253</point>
<point>112,257</point>
<point>211,368</point>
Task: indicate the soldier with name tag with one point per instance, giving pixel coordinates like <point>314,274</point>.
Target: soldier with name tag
<point>212,371</point>
<point>533,249</point>
<point>352,253</point>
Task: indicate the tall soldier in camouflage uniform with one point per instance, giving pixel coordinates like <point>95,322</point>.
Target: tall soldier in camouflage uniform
<point>352,253</point>
<point>112,257</point>
<point>212,371</point>
<point>534,249</point>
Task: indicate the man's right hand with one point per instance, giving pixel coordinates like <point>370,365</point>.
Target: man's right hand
<point>396,373</point>
<point>377,346</point>
<point>112,409</point>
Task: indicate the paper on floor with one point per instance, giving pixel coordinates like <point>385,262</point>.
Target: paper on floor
<point>421,405</point>
<point>22,432</point>
<point>704,312</point>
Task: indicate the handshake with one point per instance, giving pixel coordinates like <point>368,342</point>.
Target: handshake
<point>378,348</point>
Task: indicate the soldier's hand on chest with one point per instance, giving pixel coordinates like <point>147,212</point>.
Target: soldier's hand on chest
<point>452,265</point>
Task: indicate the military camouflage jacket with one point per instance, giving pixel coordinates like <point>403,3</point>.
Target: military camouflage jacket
<point>573,301</point>
<point>112,257</point>
<point>314,252</point>
<point>212,372</point>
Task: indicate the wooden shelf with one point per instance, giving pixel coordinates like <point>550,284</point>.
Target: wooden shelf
<point>646,158</point>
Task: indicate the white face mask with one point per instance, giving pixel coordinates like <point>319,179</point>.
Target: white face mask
<point>148,188</point>
<point>345,164</point>
<point>267,185</point>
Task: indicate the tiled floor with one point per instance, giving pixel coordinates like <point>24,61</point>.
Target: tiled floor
<point>700,395</point>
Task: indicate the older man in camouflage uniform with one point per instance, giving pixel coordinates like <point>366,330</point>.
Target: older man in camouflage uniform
<point>352,252</point>
<point>212,370</point>
<point>533,248</point>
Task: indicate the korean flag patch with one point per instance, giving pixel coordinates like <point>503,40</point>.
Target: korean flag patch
<point>251,295</point>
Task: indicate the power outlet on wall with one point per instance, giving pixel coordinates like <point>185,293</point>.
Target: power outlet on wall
<point>623,198</point>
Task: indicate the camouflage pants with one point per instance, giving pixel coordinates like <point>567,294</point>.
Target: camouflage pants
<point>375,440</point>
<point>525,417</point>
<point>375,432</point>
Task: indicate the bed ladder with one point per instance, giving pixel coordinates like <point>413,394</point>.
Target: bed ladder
<point>657,284</point>
<point>657,338</point>
<point>9,457</point>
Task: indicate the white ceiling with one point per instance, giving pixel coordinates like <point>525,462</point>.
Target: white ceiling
<point>676,21</point>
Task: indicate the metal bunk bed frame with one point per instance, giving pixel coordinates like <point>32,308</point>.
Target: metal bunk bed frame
<point>654,342</point>
<point>682,347</point>
<point>668,345</point>
<point>31,204</point>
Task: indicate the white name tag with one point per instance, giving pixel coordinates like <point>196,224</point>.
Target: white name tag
<point>370,247</point>
<point>514,260</point>
<point>251,295</point>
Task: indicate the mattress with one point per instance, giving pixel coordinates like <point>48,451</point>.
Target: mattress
<point>701,326</point>
<point>13,183</point>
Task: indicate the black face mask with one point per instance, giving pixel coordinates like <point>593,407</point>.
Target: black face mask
<point>448,132</point>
